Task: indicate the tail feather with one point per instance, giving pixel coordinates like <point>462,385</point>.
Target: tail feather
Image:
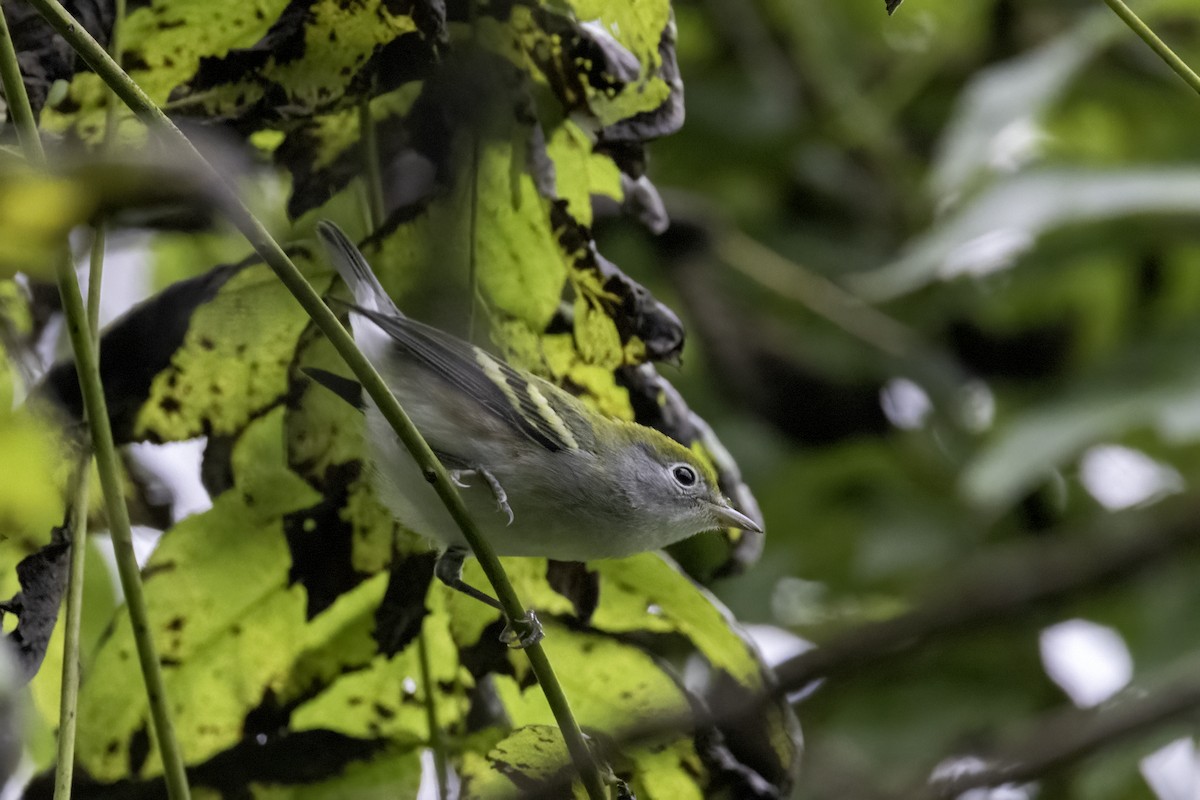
<point>354,269</point>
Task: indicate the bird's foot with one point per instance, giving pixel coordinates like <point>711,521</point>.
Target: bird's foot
<point>524,632</point>
<point>457,477</point>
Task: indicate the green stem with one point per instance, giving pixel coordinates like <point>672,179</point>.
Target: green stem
<point>67,716</point>
<point>271,253</point>
<point>95,278</point>
<point>1156,44</point>
<point>100,235</point>
<point>437,742</point>
<point>88,369</point>
<point>370,157</point>
<point>18,102</point>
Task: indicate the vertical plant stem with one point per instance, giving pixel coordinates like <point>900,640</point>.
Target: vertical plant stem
<point>472,221</point>
<point>88,368</point>
<point>68,717</point>
<point>373,178</point>
<point>99,238</point>
<point>274,256</point>
<point>64,769</point>
<point>371,165</point>
<point>18,102</point>
<point>1156,44</point>
<point>437,742</point>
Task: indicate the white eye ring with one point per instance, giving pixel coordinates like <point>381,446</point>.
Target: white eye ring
<point>684,475</point>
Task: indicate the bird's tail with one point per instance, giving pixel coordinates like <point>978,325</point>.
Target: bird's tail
<point>354,269</point>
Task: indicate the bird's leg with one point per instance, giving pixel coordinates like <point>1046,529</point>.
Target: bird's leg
<point>458,475</point>
<point>519,633</point>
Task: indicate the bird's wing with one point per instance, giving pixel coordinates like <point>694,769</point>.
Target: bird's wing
<point>531,406</point>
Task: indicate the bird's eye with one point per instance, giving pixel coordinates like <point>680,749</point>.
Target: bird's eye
<point>684,475</point>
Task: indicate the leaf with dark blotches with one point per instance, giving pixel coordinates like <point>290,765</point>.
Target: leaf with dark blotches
<point>637,313</point>
<point>618,69</point>
<point>43,577</point>
<point>154,331</point>
<point>39,208</point>
<point>618,76</point>
<point>43,55</point>
<point>319,55</point>
<point>203,357</point>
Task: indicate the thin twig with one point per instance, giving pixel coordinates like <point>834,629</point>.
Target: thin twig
<point>996,587</point>
<point>18,101</point>
<point>1156,44</point>
<point>64,769</point>
<point>96,263</point>
<point>1072,735</point>
<point>271,253</point>
<point>371,165</point>
<point>95,408</point>
<point>933,368</point>
<point>437,742</point>
<point>817,293</point>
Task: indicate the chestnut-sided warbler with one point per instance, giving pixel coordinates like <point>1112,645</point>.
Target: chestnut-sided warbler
<point>542,473</point>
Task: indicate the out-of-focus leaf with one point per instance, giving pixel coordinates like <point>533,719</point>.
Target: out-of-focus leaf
<point>995,127</point>
<point>1154,387</point>
<point>31,462</point>
<point>995,229</point>
<point>39,209</point>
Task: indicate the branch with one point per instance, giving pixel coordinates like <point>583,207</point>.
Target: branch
<point>1072,735</point>
<point>997,586</point>
<point>1156,44</point>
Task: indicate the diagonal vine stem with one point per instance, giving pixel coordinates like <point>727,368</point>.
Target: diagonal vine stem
<point>275,258</point>
<point>1156,44</point>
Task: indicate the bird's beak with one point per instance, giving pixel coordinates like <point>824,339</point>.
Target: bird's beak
<point>732,518</point>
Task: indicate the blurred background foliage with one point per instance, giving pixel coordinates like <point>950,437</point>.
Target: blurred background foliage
<point>1015,184</point>
<point>941,281</point>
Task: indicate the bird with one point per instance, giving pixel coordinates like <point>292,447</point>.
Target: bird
<point>541,473</point>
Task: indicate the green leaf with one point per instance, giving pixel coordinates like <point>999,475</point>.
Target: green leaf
<point>529,756</point>
<point>1004,104</point>
<point>1153,387</point>
<point>999,226</point>
<point>218,594</point>
<point>232,363</point>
